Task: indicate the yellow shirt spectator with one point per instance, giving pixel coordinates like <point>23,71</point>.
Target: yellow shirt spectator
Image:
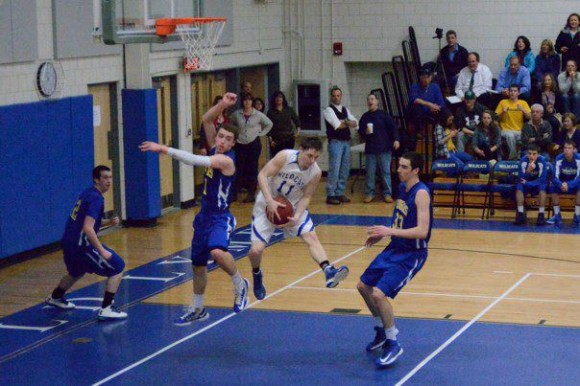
<point>513,119</point>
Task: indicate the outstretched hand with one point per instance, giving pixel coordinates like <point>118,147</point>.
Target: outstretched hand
<point>151,146</point>
<point>372,241</point>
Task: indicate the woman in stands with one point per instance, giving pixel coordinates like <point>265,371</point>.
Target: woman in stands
<point>259,104</point>
<point>487,138</point>
<point>569,83</point>
<point>550,98</point>
<point>569,131</point>
<point>286,124</point>
<point>547,62</point>
<point>568,41</point>
<point>522,49</point>
<point>446,137</point>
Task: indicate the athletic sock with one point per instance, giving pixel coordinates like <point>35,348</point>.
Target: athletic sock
<point>391,333</point>
<point>324,264</point>
<point>108,299</point>
<point>521,208</point>
<point>256,270</point>
<point>237,280</point>
<point>379,322</point>
<point>556,209</point>
<point>577,210</point>
<point>541,209</point>
<point>58,293</point>
<point>197,301</point>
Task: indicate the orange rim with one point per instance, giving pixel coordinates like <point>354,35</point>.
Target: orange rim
<point>167,26</point>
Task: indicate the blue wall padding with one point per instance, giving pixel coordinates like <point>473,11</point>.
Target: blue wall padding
<point>37,163</point>
<point>142,181</point>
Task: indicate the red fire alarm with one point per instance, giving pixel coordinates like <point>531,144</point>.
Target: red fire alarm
<point>337,48</point>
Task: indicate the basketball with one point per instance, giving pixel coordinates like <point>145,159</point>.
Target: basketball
<point>284,212</point>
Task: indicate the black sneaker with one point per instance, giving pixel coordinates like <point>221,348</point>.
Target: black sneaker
<point>332,201</point>
<point>520,218</point>
<point>343,199</point>
<point>541,219</point>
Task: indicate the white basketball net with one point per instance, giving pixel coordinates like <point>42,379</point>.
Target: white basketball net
<point>200,40</point>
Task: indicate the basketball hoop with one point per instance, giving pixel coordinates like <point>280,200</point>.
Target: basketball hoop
<point>200,36</point>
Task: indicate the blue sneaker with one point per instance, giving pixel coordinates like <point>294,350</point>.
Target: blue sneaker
<point>192,315</point>
<point>391,351</point>
<point>259,289</point>
<point>380,339</point>
<point>335,276</point>
<point>555,220</point>
<point>576,222</point>
<point>241,297</point>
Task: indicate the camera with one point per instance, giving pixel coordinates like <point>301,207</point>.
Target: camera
<point>439,33</point>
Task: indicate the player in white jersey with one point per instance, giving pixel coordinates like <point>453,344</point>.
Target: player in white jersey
<point>293,174</point>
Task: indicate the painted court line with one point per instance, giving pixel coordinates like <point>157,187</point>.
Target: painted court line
<point>217,322</point>
<point>461,331</point>
<point>437,294</point>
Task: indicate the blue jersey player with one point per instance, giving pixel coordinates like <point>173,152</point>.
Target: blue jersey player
<point>400,261</point>
<point>533,174</point>
<point>214,223</point>
<point>83,251</point>
<point>566,180</point>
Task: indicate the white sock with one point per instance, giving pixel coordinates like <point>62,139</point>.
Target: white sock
<point>379,321</point>
<point>541,209</point>
<point>521,208</point>
<point>391,333</point>
<point>197,301</point>
<point>556,209</point>
<point>237,280</point>
<point>577,210</point>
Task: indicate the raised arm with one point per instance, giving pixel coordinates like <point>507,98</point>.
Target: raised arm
<point>228,100</point>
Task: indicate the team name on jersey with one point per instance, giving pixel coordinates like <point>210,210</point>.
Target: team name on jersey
<point>295,178</point>
<point>402,207</point>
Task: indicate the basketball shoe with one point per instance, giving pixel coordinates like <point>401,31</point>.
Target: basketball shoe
<point>241,297</point>
<point>334,276</point>
<point>259,289</point>
<point>380,339</point>
<point>391,351</point>
<point>192,315</point>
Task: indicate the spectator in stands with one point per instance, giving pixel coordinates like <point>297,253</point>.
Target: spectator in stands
<point>246,87</point>
<point>566,179</point>
<point>221,120</point>
<point>454,58</point>
<point>511,113</point>
<point>379,132</point>
<point>487,138</point>
<point>339,121</point>
<point>286,124</point>
<point>532,179</point>
<point>475,77</point>
<point>569,83</point>
<point>467,117</point>
<point>549,99</point>
<point>547,62</point>
<point>425,103</point>
<point>523,51</point>
<point>445,140</point>
<point>568,41</point>
<point>569,132</point>
<point>515,74</point>
<point>538,131</point>
<point>259,104</point>
<point>252,124</point>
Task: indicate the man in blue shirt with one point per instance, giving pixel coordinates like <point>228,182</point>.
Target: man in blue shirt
<point>532,179</point>
<point>214,223</point>
<point>515,74</point>
<point>566,179</point>
<point>381,137</point>
<point>425,103</point>
<point>401,260</point>
<point>84,252</point>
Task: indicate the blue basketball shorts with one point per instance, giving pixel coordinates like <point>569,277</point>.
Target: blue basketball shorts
<point>80,260</point>
<point>531,187</point>
<point>556,189</point>
<point>392,269</point>
<point>210,231</point>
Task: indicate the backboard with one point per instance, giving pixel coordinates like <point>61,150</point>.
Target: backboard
<point>133,21</point>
